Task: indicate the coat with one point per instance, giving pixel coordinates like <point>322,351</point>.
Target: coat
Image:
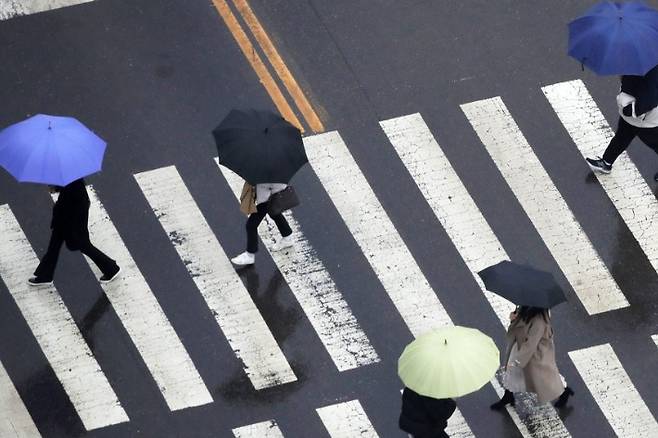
<point>71,214</point>
<point>425,417</point>
<point>536,356</point>
<point>638,99</point>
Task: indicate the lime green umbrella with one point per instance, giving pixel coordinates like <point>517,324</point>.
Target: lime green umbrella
<point>448,362</point>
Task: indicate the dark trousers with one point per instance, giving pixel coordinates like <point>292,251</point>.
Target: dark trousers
<point>256,218</point>
<point>623,137</point>
<point>46,268</point>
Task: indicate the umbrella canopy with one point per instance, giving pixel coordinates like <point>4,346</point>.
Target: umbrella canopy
<point>50,150</point>
<point>448,362</point>
<point>523,285</point>
<point>616,38</point>
<point>260,146</point>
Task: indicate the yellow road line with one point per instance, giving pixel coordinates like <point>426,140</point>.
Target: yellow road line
<point>256,63</point>
<point>279,66</point>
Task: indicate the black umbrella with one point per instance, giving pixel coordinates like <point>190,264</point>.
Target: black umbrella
<point>260,146</point>
<point>523,285</point>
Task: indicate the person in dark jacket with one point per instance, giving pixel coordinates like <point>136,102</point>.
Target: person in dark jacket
<point>425,417</point>
<point>637,102</point>
<point>69,226</point>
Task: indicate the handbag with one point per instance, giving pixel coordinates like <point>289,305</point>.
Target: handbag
<point>282,201</point>
<point>248,199</point>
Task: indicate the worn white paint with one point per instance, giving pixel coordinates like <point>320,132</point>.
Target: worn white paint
<point>12,8</point>
<point>316,292</point>
<point>450,201</point>
<point>544,205</point>
<point>215,277</point>
<point>375,234</point>
<point>15,420</point>
<point>655,339</point>
<point>614,392</point>
<point>627,189</point>
<point>55,331</point>
<point>144,320</point>
<point>346,420</point>
<point>264,429</point>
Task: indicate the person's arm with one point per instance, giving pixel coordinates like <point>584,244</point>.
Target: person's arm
<point>529,346</point>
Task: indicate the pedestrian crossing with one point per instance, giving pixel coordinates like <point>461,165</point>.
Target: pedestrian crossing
<point>328,308</point>
<point>13,8</point>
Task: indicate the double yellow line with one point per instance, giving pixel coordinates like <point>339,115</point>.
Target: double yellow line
<point>276,62</point>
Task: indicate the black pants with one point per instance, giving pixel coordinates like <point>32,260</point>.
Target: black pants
<point>256,218</point>
<point>623,137</point>
<point>46,268</point>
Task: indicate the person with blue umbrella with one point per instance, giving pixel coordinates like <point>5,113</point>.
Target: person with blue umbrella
<point>58,152</point>
<point>622,39</point>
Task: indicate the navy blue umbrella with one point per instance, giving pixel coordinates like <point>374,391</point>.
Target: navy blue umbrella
<point>523,285</point>
<point>616,38</point>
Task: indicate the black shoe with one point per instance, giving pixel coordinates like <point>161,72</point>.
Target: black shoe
<point>108,278</point>
<point>508,399</point>
<point>37,281</point>
<point>599,165</point>
<point>562,400</point>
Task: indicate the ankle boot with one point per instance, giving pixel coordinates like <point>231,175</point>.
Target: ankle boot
<point>562,400</point>
<point>508,399</point>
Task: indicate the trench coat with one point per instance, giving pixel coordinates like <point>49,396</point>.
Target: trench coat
<point>425,417</point>
<point>71,214</point>
<point>536,356</point>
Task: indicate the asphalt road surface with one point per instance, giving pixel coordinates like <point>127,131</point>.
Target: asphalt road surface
<point>452,136</point>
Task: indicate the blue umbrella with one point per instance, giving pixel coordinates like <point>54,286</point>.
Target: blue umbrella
<point>616,38</point>
<point>50,150</point>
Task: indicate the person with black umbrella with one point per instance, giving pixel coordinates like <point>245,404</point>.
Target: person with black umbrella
<point>266,151</point>
<point>530,351</point>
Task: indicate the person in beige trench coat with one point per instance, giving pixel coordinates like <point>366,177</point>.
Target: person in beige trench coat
<point>530,347</point>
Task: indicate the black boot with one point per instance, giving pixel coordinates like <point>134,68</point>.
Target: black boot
<point>508,399</point>
<point>562,400</point>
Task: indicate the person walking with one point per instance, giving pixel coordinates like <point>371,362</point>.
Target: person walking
<point>425,417</point>
<point>530,359</point>
<point>69,226</point>
<point>262,200</point>
<point>638,117</point>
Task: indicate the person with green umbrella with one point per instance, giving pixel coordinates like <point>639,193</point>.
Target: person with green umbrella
<point>437,367</point>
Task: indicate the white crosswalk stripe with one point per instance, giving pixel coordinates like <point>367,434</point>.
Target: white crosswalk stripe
<point>614,392</point>
<point>215,277</point>
<point>375,234</point>
<point>55,331</point>
<point>144,320</point>
<point>315,291</point>
<point>655,339</point>
<point>468,230</point>
<point>346,420</point>
<point>542,202</point>
<point>15,420</point>
<point>12,8</point>
<point>627,189</point>
<point>264,429</point>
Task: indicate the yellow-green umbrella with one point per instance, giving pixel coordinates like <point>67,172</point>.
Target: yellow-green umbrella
<point>448,362</point>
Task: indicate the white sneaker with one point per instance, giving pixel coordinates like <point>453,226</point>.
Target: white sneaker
<point>246,258</point>
<point>285,242</point>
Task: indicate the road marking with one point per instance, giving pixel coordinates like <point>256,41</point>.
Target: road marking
<point>375,234</point>
<point>15,420</point>
<point>144,320</point>
<point>55,331</point>
<point>544,205</point>
<point>625,186</point>
<point>13,8</point>
<point>346,420</point>
<point>655,339</point>
<point>449,200</point>
<point>614,392</point>
<point>256,63</point>
<point>265,429</point>
<point>279,66</point>
<point>317,294</point>
<point>215,277</point>
<point>469,231</point>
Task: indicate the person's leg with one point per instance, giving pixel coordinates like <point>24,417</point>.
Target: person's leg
<point>107,265</point>
<point>46,269</point>
<point>248,257</point>
<point>620,142</point>
<point>562,400</point>
<point>649,136</point>
<point>285,230</point>
<point>507,399</point>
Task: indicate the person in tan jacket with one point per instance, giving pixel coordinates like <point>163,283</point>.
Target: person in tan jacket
<point>530,359</point>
